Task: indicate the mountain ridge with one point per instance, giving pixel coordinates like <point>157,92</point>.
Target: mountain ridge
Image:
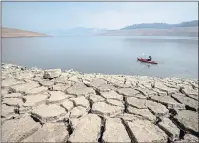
<point>185,29</point>
<point>193,23</point>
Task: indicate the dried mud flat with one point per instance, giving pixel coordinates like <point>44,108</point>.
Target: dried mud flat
<point>54,106</point>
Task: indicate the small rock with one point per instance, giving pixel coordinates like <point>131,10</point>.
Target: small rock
<point>52,73</point>
<point>23,68</point>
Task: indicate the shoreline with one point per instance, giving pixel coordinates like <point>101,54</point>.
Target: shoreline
<point>16,33</point>
<point>31,36</point>
<point>96,73</point>
<point>79,107</point>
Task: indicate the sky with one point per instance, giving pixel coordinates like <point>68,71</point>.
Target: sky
<point>44,16</point>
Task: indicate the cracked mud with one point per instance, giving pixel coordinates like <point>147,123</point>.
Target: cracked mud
<point>54,106</point>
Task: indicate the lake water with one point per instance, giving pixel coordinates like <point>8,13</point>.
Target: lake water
<point>176,57</point>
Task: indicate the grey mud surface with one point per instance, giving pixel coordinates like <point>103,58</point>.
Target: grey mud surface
<point>55,106</point>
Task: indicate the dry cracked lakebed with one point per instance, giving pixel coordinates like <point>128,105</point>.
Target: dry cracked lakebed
<point>54,106</point>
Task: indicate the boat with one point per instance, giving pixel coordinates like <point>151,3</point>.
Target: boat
<point>145,61</point>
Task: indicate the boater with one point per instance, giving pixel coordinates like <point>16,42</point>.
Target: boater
<point>149,59</point>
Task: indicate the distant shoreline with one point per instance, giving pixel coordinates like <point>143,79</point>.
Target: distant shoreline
<point>16,33</point>
<point>191,32</point>
<point>95,73</point>
<point>19,36</point>
<point>179,31</point>
<point>25,37</point>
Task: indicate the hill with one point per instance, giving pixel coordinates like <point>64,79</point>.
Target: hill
<point>10,32</point>
<point>186,29</point>
<point>193,23</point>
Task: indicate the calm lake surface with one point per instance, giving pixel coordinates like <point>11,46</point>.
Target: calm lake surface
<point>176,57</point>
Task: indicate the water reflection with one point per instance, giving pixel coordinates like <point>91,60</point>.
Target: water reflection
<point>147,65</point>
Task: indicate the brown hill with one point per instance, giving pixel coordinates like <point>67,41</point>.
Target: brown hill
<point>9,32</point>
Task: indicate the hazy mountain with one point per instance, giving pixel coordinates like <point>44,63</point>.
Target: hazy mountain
<point>76,31</point>
<point>189,29</point>
<point>193,23</point>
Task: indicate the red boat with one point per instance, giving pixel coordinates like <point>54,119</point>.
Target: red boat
<point>145,61</point>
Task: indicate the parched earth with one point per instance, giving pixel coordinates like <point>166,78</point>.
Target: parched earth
<point>54,106</point>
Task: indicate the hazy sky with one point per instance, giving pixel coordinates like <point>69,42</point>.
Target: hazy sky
<point>44,16</point>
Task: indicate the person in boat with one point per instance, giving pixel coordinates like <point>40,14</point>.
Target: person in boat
<point>149,59</point>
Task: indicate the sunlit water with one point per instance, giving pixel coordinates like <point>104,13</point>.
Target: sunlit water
<point>176,57</point>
